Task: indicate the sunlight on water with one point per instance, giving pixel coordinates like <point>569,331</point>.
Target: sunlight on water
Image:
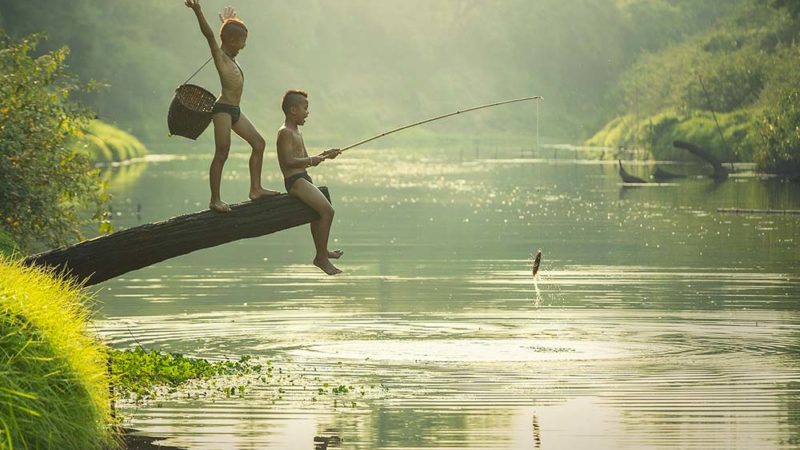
<point>467,350</point>
<point>654,322</point>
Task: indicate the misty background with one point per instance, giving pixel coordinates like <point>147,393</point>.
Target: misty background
<point>374,65</point>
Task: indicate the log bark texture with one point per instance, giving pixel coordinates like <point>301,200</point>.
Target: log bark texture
<point>106,257</point>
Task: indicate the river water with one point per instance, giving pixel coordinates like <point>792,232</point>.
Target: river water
<point>656,321</point>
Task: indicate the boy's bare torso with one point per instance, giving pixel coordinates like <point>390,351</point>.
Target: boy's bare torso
<point>298,150</point>
<point>232,80</point>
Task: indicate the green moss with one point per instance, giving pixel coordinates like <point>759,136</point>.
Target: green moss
<point>53,376</point>
<point>106,143</point>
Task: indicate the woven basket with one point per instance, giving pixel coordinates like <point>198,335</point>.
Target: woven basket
<point>190,111</point>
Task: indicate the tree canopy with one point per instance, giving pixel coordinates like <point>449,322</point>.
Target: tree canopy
<point>45,186</point>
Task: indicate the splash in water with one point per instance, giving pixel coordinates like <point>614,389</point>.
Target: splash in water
<point>537,260</point>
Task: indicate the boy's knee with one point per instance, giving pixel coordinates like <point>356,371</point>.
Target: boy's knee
<point>221,152</point>
<point>259,145</point>
<point>327,212</point>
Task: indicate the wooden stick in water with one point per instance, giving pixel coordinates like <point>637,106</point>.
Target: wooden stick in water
<point>537,97</point>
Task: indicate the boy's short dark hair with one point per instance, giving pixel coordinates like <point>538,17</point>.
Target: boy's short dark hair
<point>292,97</point>
<point>231,29</point>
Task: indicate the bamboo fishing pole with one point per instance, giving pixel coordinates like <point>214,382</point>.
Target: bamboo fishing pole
<point>537,97</point>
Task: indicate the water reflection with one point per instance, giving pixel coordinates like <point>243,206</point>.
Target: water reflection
<point>654,321</point>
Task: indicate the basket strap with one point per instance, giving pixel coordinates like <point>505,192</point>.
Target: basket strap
<point>198,70</point>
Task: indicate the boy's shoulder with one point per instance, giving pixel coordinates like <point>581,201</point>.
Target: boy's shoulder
<point>286,131</point>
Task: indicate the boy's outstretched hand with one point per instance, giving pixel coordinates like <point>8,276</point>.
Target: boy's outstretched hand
<point>331,154</point>
<point>193,4</point>
<point>227,13</point>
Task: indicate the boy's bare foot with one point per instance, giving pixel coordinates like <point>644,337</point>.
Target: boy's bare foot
<point>326,266</point>
<point>262,193</point>
<point>336,254</point>
<point>219,206</point>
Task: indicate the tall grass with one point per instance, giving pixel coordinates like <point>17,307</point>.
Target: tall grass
<point>53,375</point>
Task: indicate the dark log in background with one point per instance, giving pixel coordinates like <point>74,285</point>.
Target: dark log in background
<point>106,257</point>
<point>720,172</point>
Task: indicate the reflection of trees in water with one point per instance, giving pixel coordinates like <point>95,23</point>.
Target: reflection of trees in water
<point>122,177</point>
<point>792,398</point>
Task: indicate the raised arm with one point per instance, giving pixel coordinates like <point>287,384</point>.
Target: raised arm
<point>227,13</point>
<point>205,28</point>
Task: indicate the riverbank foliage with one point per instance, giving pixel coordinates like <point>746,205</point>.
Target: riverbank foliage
<point>105,143</point>
<point>7,245</point>
<point>741,70</point>
<point>53,376</point>
<point>45,186</point>
<point>593,61</point>
<point>370,66</point>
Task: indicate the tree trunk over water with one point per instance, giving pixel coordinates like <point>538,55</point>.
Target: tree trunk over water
<point>720,172</point>
<point>106,257</point>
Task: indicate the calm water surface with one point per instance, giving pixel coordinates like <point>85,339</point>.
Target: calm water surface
<point>656,321</point>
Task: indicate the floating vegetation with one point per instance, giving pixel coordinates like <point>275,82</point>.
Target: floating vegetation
<point>141,376</point>
<point>545,349</point>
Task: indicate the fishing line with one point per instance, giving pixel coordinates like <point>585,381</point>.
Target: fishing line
<point>537,97</point>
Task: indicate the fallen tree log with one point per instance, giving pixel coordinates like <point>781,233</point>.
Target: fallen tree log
<point>106,257</point>
<point>720,172</point>
<point>628,178</point>
<point>785,212</point>
<point>660,174</point>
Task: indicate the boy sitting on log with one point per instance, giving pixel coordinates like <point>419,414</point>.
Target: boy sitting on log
<point>226,113</point>
<point>293,159</point>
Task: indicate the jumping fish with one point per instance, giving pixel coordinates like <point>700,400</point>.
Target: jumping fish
<point>536,261</point>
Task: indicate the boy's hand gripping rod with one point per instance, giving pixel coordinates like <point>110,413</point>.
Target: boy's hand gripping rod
<point>537,97</point>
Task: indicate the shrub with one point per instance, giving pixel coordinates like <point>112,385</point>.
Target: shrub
<point>45,186</point>
<point>53,375</point>
<point>779,128</point>
<point>7,245</point>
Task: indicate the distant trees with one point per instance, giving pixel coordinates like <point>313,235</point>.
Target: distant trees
<point>370,65</point>
<point>738,72</point>
<point>792,6</point>
<point>45,186</point>
<point>779,128</point>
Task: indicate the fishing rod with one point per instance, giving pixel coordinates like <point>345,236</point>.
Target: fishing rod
<point>537,97</point>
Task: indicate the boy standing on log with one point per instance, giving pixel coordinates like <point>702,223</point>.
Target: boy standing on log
<point>293,159</point>
<point>226,113</point>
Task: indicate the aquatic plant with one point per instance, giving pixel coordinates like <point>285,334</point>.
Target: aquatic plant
<point>139,374</point>
<point>142,376</point>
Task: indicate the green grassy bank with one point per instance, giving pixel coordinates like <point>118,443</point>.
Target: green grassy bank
<point>734,140</point>
<point>53,375</point>
<point>742,66</point>
<point>106,143</point>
